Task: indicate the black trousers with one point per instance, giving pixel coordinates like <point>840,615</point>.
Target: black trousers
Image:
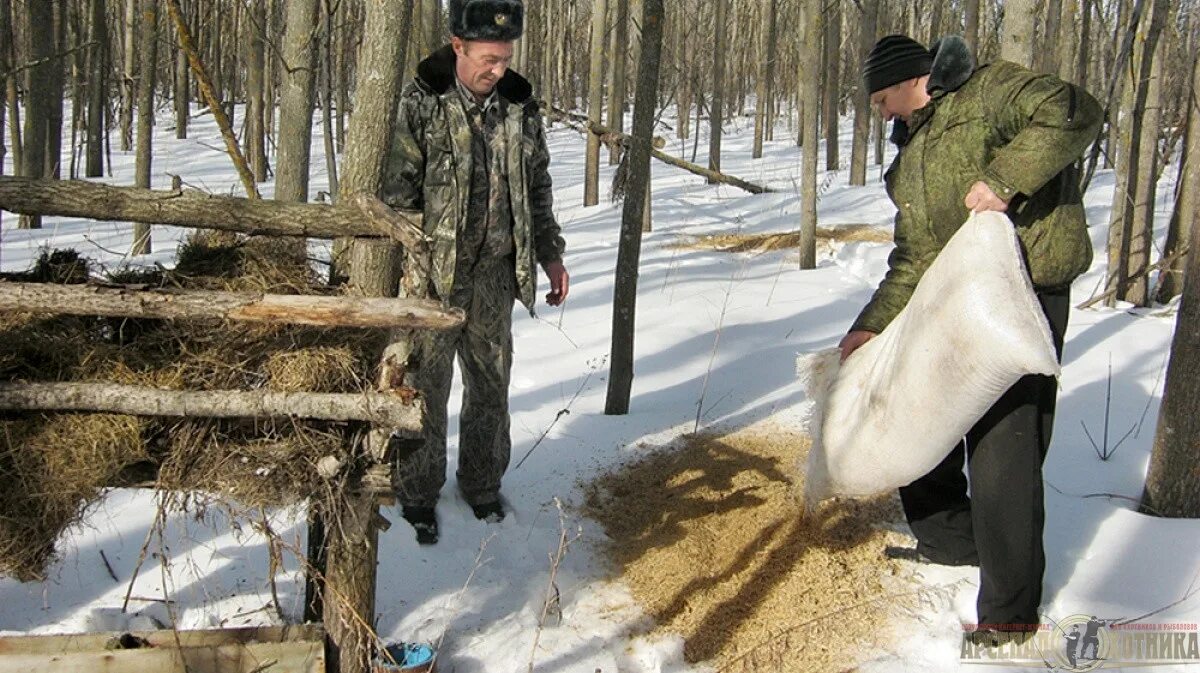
<point>999,526</point>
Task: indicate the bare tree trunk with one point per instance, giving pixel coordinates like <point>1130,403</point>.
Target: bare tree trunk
<point>830,79</point>
<point>1129,239</point>
<point>803,72</point>
<point>814,18</point>
<point>296,101</point>
<point>684,48</point>
<point>380,70</point>
<point>128,90</point>
<point>1187,199</point>
<point>1147,117</point>
<point>717,109</point>
<point>39,28</point>
<point>1085,41</point>
<point>616,96</point>
<point>971,23</point>
<point>591,177</point>
<point>97,88</point>
<point>8,59</point>
<point>1068,40</point>
<point>342,68</point>
<point>1046,58</point>
<point>1173,479</point>
<point>1020,24</point>
<point>620,380</point>
<point>145,112</point>
<point>54,125</point>
<point>326,87</point>
<point>182,88</point>
<point>862,97</point>
<point>766,74</point>
<point>255,91</point>
<point>5,66</point>
<point>216,20</point>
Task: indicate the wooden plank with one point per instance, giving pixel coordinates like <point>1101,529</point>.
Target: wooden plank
<point>300,309</point>
<point>296,649</point>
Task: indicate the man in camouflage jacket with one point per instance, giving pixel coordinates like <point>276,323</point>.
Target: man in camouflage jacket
<point>469,150</point>
<point>994,137</point>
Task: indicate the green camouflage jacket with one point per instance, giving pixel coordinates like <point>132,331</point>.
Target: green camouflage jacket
<point>1016,130</point>
<point>428,168</point>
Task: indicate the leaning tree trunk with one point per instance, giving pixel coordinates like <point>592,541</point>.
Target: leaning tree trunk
<point>97,89</point>
<point>812,95</point>
<point>766,73</point>
<point>296,101</point>
<point>1017,33</point>
<point>182,84</point>
<point>620,380</point>
<point>39,28</point>
<point>145,114</point>
<point>591,171</point>
<point>862,97</point>
<point>1187,197</point>
<point>831,78</point>
<point>1173,480</point>
<point>717,109</point>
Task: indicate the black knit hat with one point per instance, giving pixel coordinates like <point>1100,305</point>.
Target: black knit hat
<point>894,59</point>
<point>494,20</point>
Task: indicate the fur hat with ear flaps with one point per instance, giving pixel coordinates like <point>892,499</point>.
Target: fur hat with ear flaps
<point>492,20</point>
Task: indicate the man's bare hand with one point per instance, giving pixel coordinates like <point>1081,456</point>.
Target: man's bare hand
<point>981,198</point>
<point>853,340</point>
<point>560,283</point>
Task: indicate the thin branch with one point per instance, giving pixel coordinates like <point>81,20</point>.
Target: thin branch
<point>214,103</point>
<point>47,59</point>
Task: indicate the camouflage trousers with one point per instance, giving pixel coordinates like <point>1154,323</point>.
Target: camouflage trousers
<point>483,347</point>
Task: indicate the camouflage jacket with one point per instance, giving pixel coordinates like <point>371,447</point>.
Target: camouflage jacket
<point>428,168</point>
<point>1018,131</point>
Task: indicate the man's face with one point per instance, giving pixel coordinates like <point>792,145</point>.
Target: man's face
<point>481,64</point>
<point>902,99</point>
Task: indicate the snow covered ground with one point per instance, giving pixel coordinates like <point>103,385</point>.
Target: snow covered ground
<point>1103,558</point>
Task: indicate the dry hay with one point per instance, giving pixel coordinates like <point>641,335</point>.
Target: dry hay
<point>55,465</point>
<point>790,240</point>
<point>709,537</point>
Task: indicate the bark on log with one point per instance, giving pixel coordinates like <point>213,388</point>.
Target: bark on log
<point>133,302</point>
<point>713,176</point>
<point>77,198</point>
<point>384,409</point>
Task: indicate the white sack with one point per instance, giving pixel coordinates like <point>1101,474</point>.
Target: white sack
<point>902,401</point>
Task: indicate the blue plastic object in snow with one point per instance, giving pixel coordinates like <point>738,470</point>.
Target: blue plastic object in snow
<point>409,658</point>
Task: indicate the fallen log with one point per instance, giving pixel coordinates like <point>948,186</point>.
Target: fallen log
<point>197,210</point>
<point>134,302</point>
<point>389,411</point>
<point>715,176</point>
